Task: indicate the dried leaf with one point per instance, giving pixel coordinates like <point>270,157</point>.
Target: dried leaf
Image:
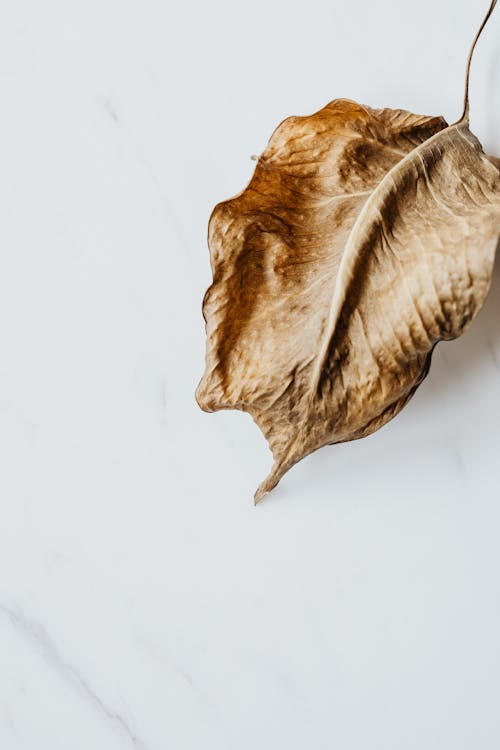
<point>364,237</point>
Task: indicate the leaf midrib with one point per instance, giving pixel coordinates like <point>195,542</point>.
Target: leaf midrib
<point>339,295</point>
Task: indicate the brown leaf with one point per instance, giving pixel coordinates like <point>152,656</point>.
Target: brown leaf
<point>364,237</point>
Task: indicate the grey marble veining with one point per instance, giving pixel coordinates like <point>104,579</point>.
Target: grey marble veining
<point>144,602</point>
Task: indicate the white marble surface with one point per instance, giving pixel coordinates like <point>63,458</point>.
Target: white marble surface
<point>144,602</point>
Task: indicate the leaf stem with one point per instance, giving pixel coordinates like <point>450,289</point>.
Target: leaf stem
<point>465,114</point>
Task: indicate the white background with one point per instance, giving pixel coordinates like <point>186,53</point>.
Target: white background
<point>144,601</point>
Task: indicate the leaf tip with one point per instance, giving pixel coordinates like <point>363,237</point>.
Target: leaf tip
<point>259,495</point>
<point>279,469</point>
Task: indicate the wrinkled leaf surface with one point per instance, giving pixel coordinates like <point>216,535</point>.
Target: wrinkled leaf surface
<point>364,237</point>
